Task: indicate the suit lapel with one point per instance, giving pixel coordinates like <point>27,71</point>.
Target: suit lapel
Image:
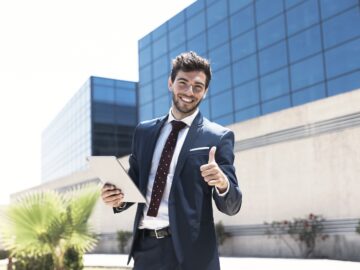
<point>151,140</point>
<point>194,131</point>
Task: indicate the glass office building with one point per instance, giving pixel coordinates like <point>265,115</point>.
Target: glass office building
<point>266,55</point>
<point>98,120</point>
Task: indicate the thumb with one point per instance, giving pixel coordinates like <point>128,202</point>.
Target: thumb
<point>212,154</point>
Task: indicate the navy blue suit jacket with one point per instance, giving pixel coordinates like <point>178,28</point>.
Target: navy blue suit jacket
<point>190,205</point>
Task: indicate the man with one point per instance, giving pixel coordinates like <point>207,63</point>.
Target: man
<point>179,162</point>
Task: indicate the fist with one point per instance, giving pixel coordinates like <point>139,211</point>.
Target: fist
<point>112,196</point>
<point>212,173</point>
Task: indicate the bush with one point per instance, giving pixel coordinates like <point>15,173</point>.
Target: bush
<point>3,254</point>
<point>73,260</point>
<point>221,234</point>
<point>123,238</point>
<point>31,263</point>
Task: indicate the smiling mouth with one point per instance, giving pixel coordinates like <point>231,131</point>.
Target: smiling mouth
<point>186,100</point>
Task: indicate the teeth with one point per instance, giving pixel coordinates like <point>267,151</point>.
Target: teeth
<point>186,99</point>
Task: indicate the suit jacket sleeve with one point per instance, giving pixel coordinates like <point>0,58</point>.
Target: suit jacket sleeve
<point>229,204</point>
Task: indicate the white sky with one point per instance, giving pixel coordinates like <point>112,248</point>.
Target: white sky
<point>48,49</point>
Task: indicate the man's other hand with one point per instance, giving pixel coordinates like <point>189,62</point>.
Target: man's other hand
<point>112,196</point>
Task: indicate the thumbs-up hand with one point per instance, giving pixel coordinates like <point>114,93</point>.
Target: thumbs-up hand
<point>212,173</point>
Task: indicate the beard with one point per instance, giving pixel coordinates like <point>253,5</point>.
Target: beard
<point>183,109</point>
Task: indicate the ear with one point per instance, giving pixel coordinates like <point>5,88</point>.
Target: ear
<point>170,84</point>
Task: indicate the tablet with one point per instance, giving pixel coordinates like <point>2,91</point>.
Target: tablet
<point>110,170</point>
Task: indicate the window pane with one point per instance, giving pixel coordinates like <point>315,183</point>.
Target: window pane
<point>218,35</point>
<point>275,84</point>
<point>276,105</point>
<point>345,83</point>
<point>177,36</point>
<point>160,47</point>
<point>220,81</point>
<point>144,41</point>
<point>245,70</point>
<point>331,7</point>
<point>266,9</point>
<point>247,114</point>
<point>246,95</point>
<point>158,32</point>
<point>145,93</point>
<point>220,57</point>
<point>290,3</point>
<point>242,21</point>
<point>198,44</point>
<point>302,16</point>
<point>309,94</point>
<point>103,94</point>
<point>216,13</point>
<point>243,45</point>
<point>271,31</point>
<point>236,5</point>
<point>161,66</point>
<point>273,58</point>
<point>305,44</point>
<point>161,86</point>
<point>161,106</point>
<point>175,52</point>
<point>225,120</point>
<point>102,81</point>
<point>342,28</point>
<point>205,108</point>
<point>145,112</point>
<point>225,99</point>
<point>307,72</point>
<point>194,8</point>
<point>196,25</point>
<point>343,59</point>
<point>145,74</point>
<point>125,97</point>
<point>176,20</point>
<point>145,56</point>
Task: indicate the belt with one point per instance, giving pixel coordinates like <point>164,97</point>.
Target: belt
<point>157,233</point>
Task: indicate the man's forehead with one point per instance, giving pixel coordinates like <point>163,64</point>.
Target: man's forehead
<point>198,76</point>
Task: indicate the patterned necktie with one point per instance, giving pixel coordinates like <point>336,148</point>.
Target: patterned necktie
<point>163,168</point>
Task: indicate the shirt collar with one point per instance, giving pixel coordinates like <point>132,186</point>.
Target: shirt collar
<point>187,120</point>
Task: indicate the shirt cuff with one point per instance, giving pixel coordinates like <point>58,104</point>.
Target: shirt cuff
<point>122,206</point>
<point>226,191</point>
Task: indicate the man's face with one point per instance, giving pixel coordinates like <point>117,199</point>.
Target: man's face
<point>188,90</point>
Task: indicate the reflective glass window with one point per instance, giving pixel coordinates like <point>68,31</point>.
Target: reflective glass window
<point>266,9</point>
<point>161,106</point>
<point>145,93</point>
<point>205,108</point>
<point>144,41</point>
<point>235,5</point>
<point>218,35</point>
<point>216,13</point>
<point>220,57</point>
<point>305,44</point>
<point>344,83</point>
<point>271,31</point>
<point>225,120</point>
<point>245,70</point>
<point>195,25</point>
<point>275,84</point>
<point>125,84</point>
<point>145,56</point>
<point>194,8</point>
<point>341,28</point>
<point>103,94</point>
<point>176,20</point>
<point>145,74</point>
<point>103,81</point>
<point>220,81</point>
<point>343,59</point>
<point>146,112</point>
<point>246,95</point>
<point>291,3</point>
<point>273,58</point>
<point>209,2</point>
<point>302,16</point>
<point>198,44</point>
<point>225,101</point>
<point>158,32</point>
<point>307,72</point>
<point>242,21</point>
<point>331,7</point>
<point>175,52</point>
<point>161,86</point>
<point>161,66</point>
<point>276,104</point>
<point>177,36</point>
<point>248,113</point>
<point>243,45</point>
<point>125,97</point>
<point>309,94</point>
<point>160,47</point>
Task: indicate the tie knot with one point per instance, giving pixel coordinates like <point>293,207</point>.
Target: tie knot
<point>177,125</point>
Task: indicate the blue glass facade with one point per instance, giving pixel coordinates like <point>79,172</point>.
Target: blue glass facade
<point>98,120</point>
<point>266,55</point>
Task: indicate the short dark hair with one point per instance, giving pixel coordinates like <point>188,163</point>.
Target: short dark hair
<point>190,61</point>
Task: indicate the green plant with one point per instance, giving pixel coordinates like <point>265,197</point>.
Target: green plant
<point>43,262</point>
<point>123,238</point>
<point>221,234</point>
<point>48,222</point>
<point>73,259</point>
<point>3,254</point>
<point>305,231</point>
